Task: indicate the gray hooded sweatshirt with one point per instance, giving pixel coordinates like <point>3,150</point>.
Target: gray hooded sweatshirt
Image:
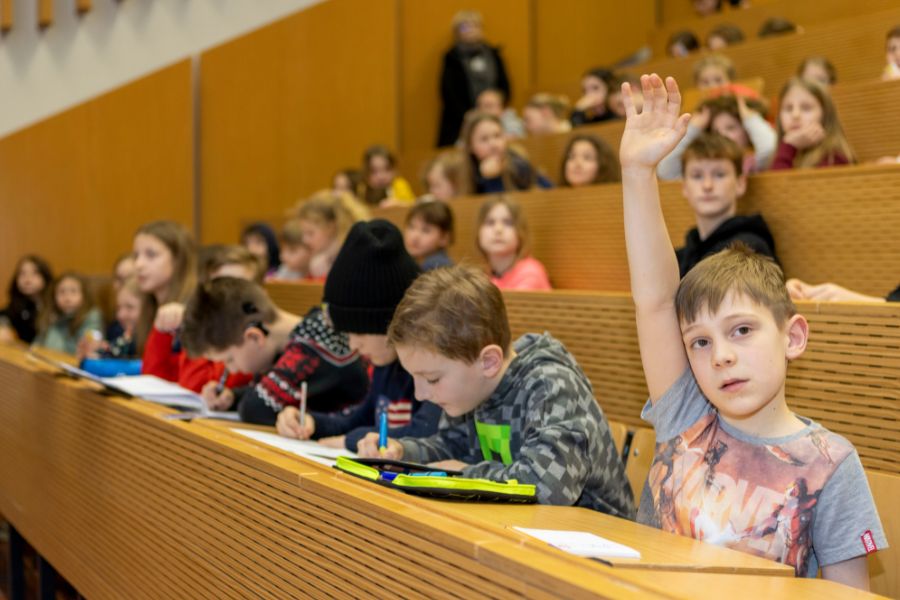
<point>542,426</point>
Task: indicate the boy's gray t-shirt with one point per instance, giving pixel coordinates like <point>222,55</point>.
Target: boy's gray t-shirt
<point>801,499</point>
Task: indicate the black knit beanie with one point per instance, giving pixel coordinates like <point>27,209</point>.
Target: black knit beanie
<point>369,278</point>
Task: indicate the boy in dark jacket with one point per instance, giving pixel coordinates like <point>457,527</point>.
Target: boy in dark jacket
<point>713,183</point>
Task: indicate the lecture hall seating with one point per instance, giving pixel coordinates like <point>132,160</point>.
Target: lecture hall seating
<point>126,503</point>
<point>848,379</point>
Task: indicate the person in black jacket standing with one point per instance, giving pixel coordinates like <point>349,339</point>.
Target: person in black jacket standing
<point>470,67</point>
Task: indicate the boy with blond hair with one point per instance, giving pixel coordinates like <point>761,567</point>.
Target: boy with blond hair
<point>522,411</point>
<point>734,465</point>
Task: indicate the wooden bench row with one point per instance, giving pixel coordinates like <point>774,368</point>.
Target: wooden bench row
<point>855,45</point>
<point>837,224</point>
<point>848,379</point>
<point>866,108</point>
<point>126,504</point>
<point>803,13</point>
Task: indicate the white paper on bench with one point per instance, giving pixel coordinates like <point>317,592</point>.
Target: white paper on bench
<point>157,390</point>
<point>311,450</point>
<point>581,543</point>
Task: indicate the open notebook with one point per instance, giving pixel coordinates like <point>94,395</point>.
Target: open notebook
<point>147,387</point>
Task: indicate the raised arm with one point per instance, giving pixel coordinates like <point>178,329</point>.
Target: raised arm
<point>649,136</point>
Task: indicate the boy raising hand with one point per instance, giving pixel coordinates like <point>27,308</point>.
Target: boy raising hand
<point>734,465</point>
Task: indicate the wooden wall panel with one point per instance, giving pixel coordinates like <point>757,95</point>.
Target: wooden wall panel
<point>74,188</point>
<point>571,37</point>
<point>863,108</point>
<point>425,35</point>
<point>286,106</point>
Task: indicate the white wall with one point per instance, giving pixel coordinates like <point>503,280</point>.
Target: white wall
<point>77,58</point>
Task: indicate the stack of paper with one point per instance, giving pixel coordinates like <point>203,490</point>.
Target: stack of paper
<point>311,450</point>
<point>581,543</point>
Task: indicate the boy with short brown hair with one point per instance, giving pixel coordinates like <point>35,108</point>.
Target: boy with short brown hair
<point>713,183</point>
<point>734,465</point>
<point>233,321</point>
<point>522,411</point>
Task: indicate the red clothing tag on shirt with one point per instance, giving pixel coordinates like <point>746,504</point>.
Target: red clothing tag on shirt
<point>868,541</point>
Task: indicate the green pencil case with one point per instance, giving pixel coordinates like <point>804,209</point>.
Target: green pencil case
<point>417,479</point>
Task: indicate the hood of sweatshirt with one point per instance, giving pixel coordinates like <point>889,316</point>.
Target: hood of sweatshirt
<point>532,350</point>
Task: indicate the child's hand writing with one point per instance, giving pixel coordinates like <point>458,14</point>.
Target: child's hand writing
<point>214,401</point>
<point>654,132</point>
<point>169,317</point>
<point>368,448</point>
<point>288,424</point>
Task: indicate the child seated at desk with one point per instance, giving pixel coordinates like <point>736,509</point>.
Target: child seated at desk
<point>740,120</point>
<point>29,291</point>
<point>734,465</point>
<point>809,131</point>
<point>714,182</point>
<point>503,241</point>
<point>295,254</point>
<point>368,279</point>
<point>428,233</point>
<point>521,410</point>
<point>70,316</point>
<point>119,343</point>
<point>232,321</point>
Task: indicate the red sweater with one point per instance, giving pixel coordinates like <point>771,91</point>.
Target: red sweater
<point>191,373</point>
<point>784,158</point>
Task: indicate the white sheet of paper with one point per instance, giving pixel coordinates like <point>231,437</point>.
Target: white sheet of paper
<point>581,543</point>
<point>156,389</point>
<point>311,450</point>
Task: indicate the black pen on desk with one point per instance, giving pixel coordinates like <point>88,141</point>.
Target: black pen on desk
<point>220,387</point>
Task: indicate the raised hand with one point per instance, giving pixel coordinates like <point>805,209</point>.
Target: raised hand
<point>654,132</point>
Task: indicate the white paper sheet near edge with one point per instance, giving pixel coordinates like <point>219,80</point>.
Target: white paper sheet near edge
<point>311,450</point>
<point>155,389</point>
<point>581,543</point>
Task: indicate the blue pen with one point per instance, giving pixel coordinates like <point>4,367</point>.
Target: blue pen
<point>383,432</point>
<point>220,387</point>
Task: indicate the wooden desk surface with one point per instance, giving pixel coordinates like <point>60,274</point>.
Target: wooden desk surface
<point>126,504</point>
<point>659,550</point>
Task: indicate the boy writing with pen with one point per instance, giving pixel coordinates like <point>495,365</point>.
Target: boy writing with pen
<point>233,321</point>
<point>371,273</point>
<point>523,410</point>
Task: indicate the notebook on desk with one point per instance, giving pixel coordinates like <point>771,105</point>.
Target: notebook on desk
<point>147,387</point>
